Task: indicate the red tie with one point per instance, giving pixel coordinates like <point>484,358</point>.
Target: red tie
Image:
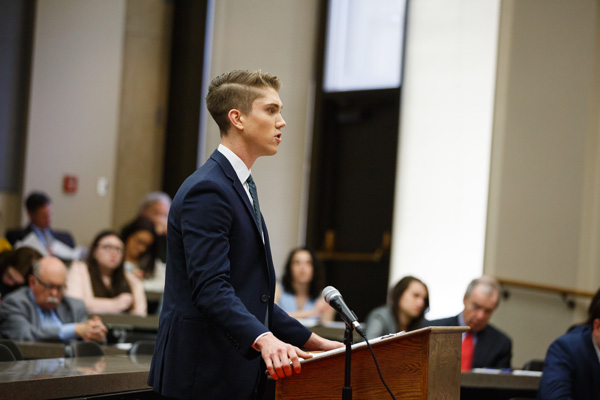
<point>466,359</point>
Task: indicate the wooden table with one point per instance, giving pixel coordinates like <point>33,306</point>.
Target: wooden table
<point>41,350</point>
<point>73,377</point>
<point>498,386</point>
<point>131,322</point>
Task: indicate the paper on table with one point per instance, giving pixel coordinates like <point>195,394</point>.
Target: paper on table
<point>33,242</point>
<point>527,373</point>
<point>61,250</point>
<point>58,248</point>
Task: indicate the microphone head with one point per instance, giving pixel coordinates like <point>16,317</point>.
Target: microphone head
<point>330,292</point>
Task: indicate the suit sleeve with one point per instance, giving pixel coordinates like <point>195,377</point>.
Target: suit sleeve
<point>206,220</point>
<point>557,379</point>
<point>289,329</point>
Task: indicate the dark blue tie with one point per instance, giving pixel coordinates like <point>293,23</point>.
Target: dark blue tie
<point>254,195</point>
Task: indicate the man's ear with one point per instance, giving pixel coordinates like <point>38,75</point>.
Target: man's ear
<point>31,280</point>
<point>236,118</point>
<point>596,325</point>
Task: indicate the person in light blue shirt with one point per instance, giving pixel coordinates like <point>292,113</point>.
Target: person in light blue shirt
<point>40,312</point>
<point>299,293</point>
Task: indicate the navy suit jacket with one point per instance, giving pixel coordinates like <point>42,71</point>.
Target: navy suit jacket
<point>14,235</point>
<point>493,348</point>
<point>571,367</point>
<point>219,288</point>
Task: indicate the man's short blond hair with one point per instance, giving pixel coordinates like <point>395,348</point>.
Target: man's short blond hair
<point>236,90</point>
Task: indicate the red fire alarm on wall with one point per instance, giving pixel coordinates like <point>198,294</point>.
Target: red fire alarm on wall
<point>69,184</point>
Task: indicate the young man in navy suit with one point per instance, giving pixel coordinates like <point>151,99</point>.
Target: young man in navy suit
<point>219,328</point>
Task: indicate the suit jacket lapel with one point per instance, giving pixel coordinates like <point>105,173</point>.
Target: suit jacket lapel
<point>237,185</point>
<point>31,306</point>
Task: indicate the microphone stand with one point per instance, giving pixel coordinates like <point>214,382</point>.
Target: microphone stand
<point>347,390</point>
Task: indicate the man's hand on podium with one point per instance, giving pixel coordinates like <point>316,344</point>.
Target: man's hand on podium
<point>280,357</point>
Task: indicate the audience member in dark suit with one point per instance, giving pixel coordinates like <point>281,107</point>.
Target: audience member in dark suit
<point>218,318</point>
<point>491,347</point>
<point>572,364</point>
<point>408,302</point>
<point>40,214</point>
<point>40,312</point>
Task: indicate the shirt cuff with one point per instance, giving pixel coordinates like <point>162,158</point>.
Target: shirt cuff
<point>256,340</point>
<point>67,332</point>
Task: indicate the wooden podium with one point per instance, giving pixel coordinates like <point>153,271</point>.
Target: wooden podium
<point>422,364</point>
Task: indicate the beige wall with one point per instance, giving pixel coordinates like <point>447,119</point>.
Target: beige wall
<point>98,109</point>
<point>10,210</point>
<point>442,172</point>
<point>74,108</point>
<point>278,37</point>
<point>143,109</point>
<point>544,202</point>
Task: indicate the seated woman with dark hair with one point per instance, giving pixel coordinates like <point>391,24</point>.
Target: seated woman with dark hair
<point>140,251</point>
<point>408,302</point>
<point>301,285</point>
<point>103,284</point>
<point>15,267</point>
<point>141,254</point>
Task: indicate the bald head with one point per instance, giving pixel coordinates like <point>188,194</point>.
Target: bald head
<point>48,282</point>
<point>49,265</point>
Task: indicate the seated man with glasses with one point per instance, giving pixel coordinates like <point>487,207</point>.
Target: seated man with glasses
<point>484,346</point>
<point>41,312</point>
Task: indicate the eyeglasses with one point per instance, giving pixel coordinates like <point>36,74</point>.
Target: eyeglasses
<point>49,286</point>
<point>110,248</point>
<point>473,306</point>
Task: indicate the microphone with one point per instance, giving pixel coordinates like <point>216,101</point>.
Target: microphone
<point>334,299</point>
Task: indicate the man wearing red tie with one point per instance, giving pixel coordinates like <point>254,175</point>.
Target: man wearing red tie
<point>484,346</point>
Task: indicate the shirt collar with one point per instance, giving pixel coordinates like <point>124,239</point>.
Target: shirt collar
<point>39,309</point>
<point>238,165</point>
